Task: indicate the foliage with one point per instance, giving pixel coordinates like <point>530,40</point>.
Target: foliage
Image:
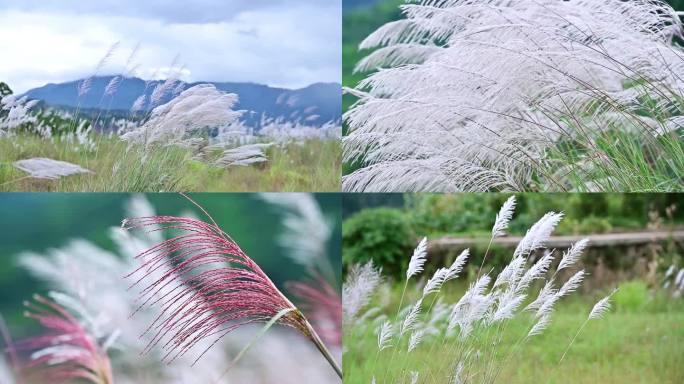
<point>382,235</point>
<point>459,214</point>
<point>4,89</point>
<point>472,215</point>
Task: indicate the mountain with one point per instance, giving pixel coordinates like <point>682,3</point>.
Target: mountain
<point>314,105</point>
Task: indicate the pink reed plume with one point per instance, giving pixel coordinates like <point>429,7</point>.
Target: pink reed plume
<point>207,287</point>
<point>323,305</point>
<point>68,352</point>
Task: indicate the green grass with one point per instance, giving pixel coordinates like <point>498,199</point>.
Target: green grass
<point>631,344</point>
<point>313,166</point>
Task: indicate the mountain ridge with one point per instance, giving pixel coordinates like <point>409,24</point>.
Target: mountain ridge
<point>313,105</point>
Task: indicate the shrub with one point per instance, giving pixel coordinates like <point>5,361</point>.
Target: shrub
<point>382,235</point>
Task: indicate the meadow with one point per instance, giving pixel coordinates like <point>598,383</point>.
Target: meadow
<point>640,341</point>
<point>515,303</point>
<point>309,166</point>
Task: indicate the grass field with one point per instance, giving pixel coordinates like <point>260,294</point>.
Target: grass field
<point>313,166</point>
<point>641,340</point>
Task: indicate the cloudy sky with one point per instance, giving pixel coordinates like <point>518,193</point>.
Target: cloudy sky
<point>286,43</point>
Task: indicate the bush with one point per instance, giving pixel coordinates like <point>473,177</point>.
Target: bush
<point>383,235</point>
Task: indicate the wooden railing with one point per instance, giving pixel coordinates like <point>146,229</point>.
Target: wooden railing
<point>445,244</point>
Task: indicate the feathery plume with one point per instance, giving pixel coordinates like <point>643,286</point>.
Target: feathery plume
<point>323,306</point>
<point>418,259</point>
<point>457,266</point>
<point>503,217</point>
<point>538,234</point>
<point>306,230</point>
<point>411,318</point>
<point>357,289</point>
<point>244,155</point>
<point>537,271</point>
<point>573,254</point>
<point>438,114</point>
<point>572,284</point>
<point>210,289</point>
<point>44,168</point>
<point>540,325</point>
<point>434,284</point>
<point>384,335</point>
<point>85,85</point>
<point>113,85</point>
<point>69,352</point>
<point>544,294</point>
<point>414,377</point>
<point>601,307</point>
<point>415,339</point>
<point>198,107</point>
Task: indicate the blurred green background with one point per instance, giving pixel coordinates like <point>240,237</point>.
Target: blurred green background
<point>39,221</point>
<point>386,227</point>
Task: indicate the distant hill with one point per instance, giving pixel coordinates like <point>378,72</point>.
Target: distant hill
<point>314,105</point>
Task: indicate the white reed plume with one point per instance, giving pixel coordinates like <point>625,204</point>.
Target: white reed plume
<point>357,289</point>
<point>409,322</point>
<point>547,292</point>
<point>573,254</point>
<point>503,217</point>
<point>538,234</point>
<point>48,169</point>
<point>306,229</point>
<point>458,374</point>
<point>199,107</point>
<point>434,284</point>
<point>509,302</point>
<point>572,284</point>
<point>415,339</point>
<point>599,309</point>
<point>244,155</point>
<point>457,266</point>
<point>511,273</point>
<point>540,326</point>
<point>385,335</point>
<point>441,115</point>
<point>537,271</point>
<point>414,377</point>
<point>418,259</point>
<point>113,85</point>
<point>17,113</point>
<point>139,103</point>
<point>85,85</point>
<point>679,280</point>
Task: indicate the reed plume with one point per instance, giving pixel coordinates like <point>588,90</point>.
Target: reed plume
<point>210,288</point>
<point>69,352</point>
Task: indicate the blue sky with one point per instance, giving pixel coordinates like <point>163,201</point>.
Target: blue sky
<point>287,43</point>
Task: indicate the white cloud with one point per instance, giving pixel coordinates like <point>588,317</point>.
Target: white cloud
<point>286,43</point>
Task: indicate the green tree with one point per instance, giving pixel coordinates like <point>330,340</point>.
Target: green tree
<point>4,90</point>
